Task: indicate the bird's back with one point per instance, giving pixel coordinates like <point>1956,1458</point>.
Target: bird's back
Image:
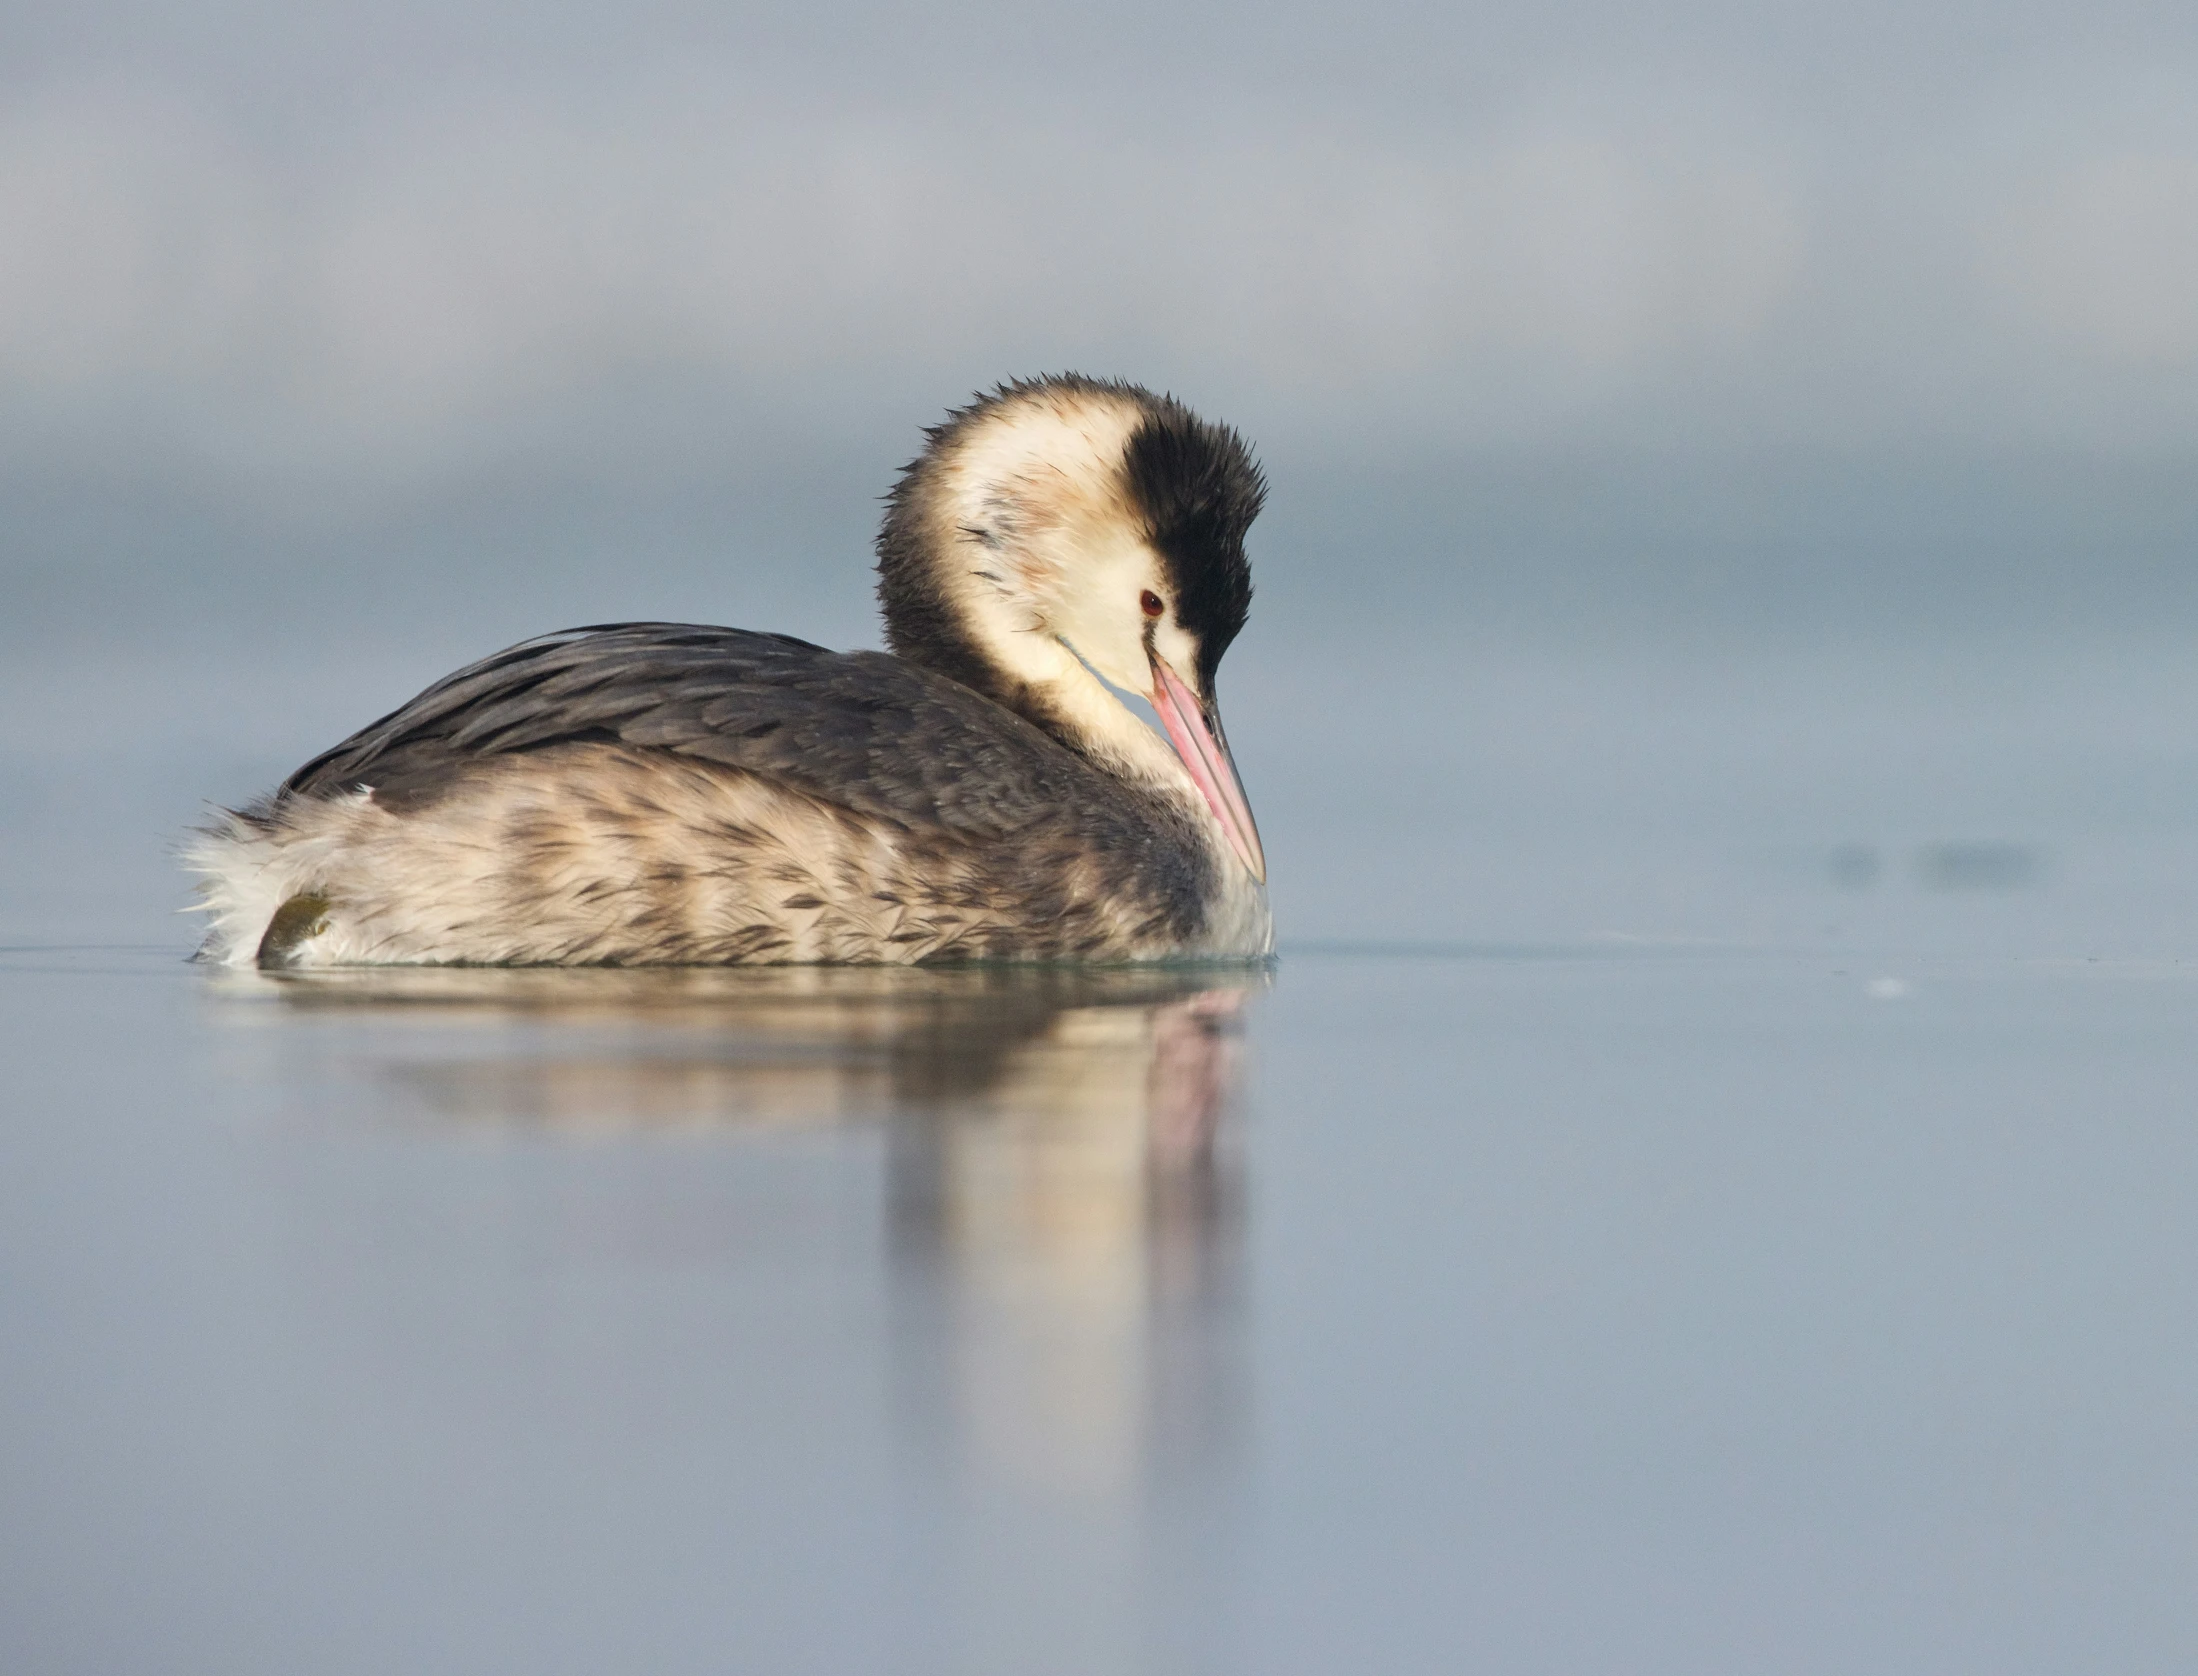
<point>654,793</point>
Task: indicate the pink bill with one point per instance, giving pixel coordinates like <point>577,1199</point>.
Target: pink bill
<point>1206,754</point>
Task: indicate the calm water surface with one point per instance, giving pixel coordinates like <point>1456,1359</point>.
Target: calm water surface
<point>1524,1309</point>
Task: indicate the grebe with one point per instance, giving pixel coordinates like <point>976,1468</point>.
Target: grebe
<point>669,794</point>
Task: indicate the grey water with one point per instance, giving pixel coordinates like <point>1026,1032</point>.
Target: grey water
<point>1708,1185</point>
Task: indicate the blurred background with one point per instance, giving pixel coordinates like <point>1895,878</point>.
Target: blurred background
<point>1722,456</point>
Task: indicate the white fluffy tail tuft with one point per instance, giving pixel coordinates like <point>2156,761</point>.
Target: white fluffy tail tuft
<point>238,861</point>
<point>249,865</point>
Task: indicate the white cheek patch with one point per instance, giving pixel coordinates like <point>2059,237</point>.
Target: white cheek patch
<point>1032,514</point>
<point>1101,615</point>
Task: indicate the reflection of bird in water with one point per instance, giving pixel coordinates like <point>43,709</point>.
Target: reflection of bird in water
<point>715,1048</point>
<point>1062,1218</point>
<point>1080,1219</point>
<point>664,794</point>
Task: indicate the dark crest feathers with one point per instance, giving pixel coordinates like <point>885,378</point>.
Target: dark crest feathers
<point>1199,490</point>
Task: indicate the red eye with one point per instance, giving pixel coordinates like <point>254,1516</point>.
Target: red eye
<point>1151,602</point>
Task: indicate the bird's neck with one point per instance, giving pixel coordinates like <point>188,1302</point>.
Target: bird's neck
<point>1057,690</point>
<point>1042,680</point>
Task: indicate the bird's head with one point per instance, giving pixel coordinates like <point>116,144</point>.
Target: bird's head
<point>1064,527</point>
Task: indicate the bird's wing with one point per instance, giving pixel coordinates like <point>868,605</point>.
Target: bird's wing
<point>859,729</point>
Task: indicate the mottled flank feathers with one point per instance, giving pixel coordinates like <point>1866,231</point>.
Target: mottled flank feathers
<point>653,793</point>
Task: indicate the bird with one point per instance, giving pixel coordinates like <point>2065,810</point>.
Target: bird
<point>662,794</point>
